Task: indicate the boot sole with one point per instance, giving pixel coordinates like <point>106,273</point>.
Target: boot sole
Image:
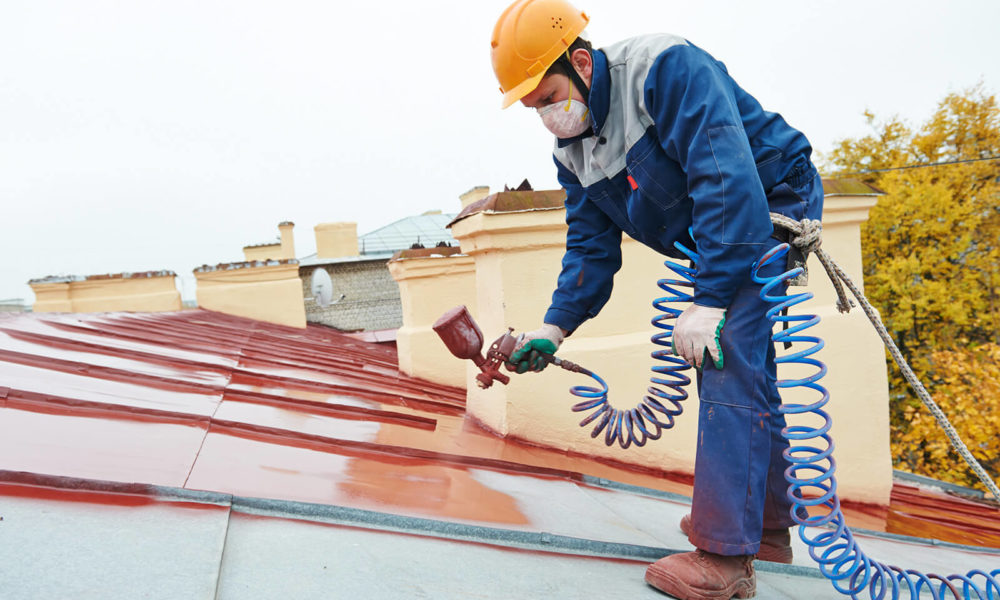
<point>668,583</point>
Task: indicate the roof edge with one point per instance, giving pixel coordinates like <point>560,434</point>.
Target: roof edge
<point>849,186</point>
<point>513,201</point>
<point>248,264</point>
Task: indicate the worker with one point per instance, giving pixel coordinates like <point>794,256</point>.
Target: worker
<point>655,139</point>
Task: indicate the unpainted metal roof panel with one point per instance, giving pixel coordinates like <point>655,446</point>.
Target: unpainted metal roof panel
<point>356,563</point>
<point>90,546</point>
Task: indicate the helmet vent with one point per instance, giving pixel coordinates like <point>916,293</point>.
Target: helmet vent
<point>557,23</point>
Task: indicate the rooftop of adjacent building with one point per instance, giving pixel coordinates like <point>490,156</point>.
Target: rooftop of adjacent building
<point>427,230</point>
<point>199,455</point>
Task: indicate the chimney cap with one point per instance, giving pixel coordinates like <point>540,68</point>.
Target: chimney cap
<point>514,201</point>
<point>55,279</point>
<point>132,275</point>
<point>246,264</point>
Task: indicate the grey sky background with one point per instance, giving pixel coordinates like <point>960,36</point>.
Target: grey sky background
<point>141,135</point>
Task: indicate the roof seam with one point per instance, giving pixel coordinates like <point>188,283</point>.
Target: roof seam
<point>222,555</point>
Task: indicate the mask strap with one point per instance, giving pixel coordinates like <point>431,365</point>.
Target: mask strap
<point>574,76</point>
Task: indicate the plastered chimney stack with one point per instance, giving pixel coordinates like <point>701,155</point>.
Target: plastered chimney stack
<point>287,239</point>
<point>474,195</point>
<point>336,240</point>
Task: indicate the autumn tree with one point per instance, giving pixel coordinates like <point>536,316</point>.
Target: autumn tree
<point>931,252</point>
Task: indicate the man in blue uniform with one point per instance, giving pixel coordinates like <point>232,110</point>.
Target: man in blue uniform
<point>655,139</point>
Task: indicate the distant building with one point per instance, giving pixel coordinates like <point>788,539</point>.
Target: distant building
<point>13,305</point>
<point>365,296</point>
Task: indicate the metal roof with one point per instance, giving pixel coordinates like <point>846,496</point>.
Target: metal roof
<point>427,229</point>
<point>199,455</point>
<point>312,260</point>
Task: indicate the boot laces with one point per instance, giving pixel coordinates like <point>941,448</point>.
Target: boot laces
<point>705,559</point>
<point>702,557</point>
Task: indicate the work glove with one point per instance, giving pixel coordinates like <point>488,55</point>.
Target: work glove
<point>528,354</point>
<point>697,331</point>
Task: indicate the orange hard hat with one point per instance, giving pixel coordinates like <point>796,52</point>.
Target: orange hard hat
<point>529,36</point>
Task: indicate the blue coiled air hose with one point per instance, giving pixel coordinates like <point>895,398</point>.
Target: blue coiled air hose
<point>811,474</point>
<point>658,409</point>
<point>812,481</point>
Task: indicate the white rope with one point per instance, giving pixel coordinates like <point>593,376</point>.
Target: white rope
<point>808,233</point>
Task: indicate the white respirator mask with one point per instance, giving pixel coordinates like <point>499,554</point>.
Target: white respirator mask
<point>565,119</point>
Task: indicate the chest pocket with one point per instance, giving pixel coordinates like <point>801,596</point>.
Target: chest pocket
<point>657,178</point>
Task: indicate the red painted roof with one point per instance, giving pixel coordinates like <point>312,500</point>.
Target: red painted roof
<point>206,401</point>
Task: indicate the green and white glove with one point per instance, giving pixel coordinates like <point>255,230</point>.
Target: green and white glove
<point>527,355</point>
<point>697,331</point>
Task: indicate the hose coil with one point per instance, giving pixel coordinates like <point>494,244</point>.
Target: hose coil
<point>811,474</point>
<point>662,403</point>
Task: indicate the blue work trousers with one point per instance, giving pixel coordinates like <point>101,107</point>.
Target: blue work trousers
<point>739,484</point>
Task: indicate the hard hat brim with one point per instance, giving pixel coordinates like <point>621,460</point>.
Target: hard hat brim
<point>521,90</point>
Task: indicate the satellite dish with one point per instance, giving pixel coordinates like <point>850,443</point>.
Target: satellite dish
<point>322,288</point>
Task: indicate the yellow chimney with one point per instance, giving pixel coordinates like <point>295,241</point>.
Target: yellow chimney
<point>282,250</point>
<point>474,195</point>
<point>336,240</point>
<point>287,239</point>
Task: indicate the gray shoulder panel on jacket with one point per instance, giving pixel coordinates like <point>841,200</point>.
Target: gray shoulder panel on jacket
<point>629,62</point>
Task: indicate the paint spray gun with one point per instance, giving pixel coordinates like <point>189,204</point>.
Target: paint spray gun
<point>462,336</point>
<point>626,427</point>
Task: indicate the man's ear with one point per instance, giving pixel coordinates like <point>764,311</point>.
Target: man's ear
<point>584,63</point>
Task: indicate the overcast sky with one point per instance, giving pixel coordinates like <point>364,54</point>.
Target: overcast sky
<point>141,135</point>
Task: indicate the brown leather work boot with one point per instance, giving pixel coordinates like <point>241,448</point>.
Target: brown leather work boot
<point>701,575</point>
<point>775,544</point>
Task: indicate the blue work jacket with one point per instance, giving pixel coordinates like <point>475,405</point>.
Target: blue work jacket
<point>675,144</point>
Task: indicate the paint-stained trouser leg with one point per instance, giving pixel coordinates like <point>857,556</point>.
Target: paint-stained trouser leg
<point>739,485</point>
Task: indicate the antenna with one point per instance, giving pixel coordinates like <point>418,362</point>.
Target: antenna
<point>322,288</point>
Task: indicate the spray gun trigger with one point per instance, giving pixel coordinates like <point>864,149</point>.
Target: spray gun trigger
<point>520,342</point>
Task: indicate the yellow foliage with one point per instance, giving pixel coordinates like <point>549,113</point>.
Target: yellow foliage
<point>966,386</point>
<point>931,250</point>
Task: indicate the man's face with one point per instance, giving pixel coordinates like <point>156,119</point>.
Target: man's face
<point>551,89</point>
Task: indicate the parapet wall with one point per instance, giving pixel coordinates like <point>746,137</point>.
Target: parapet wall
<point>264,290</point>
<point>152,291</point>
<point>431,281</point>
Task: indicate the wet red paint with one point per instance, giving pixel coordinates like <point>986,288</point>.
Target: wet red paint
<point>59,440</point>
<point>929,514</point>
<point>127,496</point>
<point>209,401</point>
<point>70,495</point>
